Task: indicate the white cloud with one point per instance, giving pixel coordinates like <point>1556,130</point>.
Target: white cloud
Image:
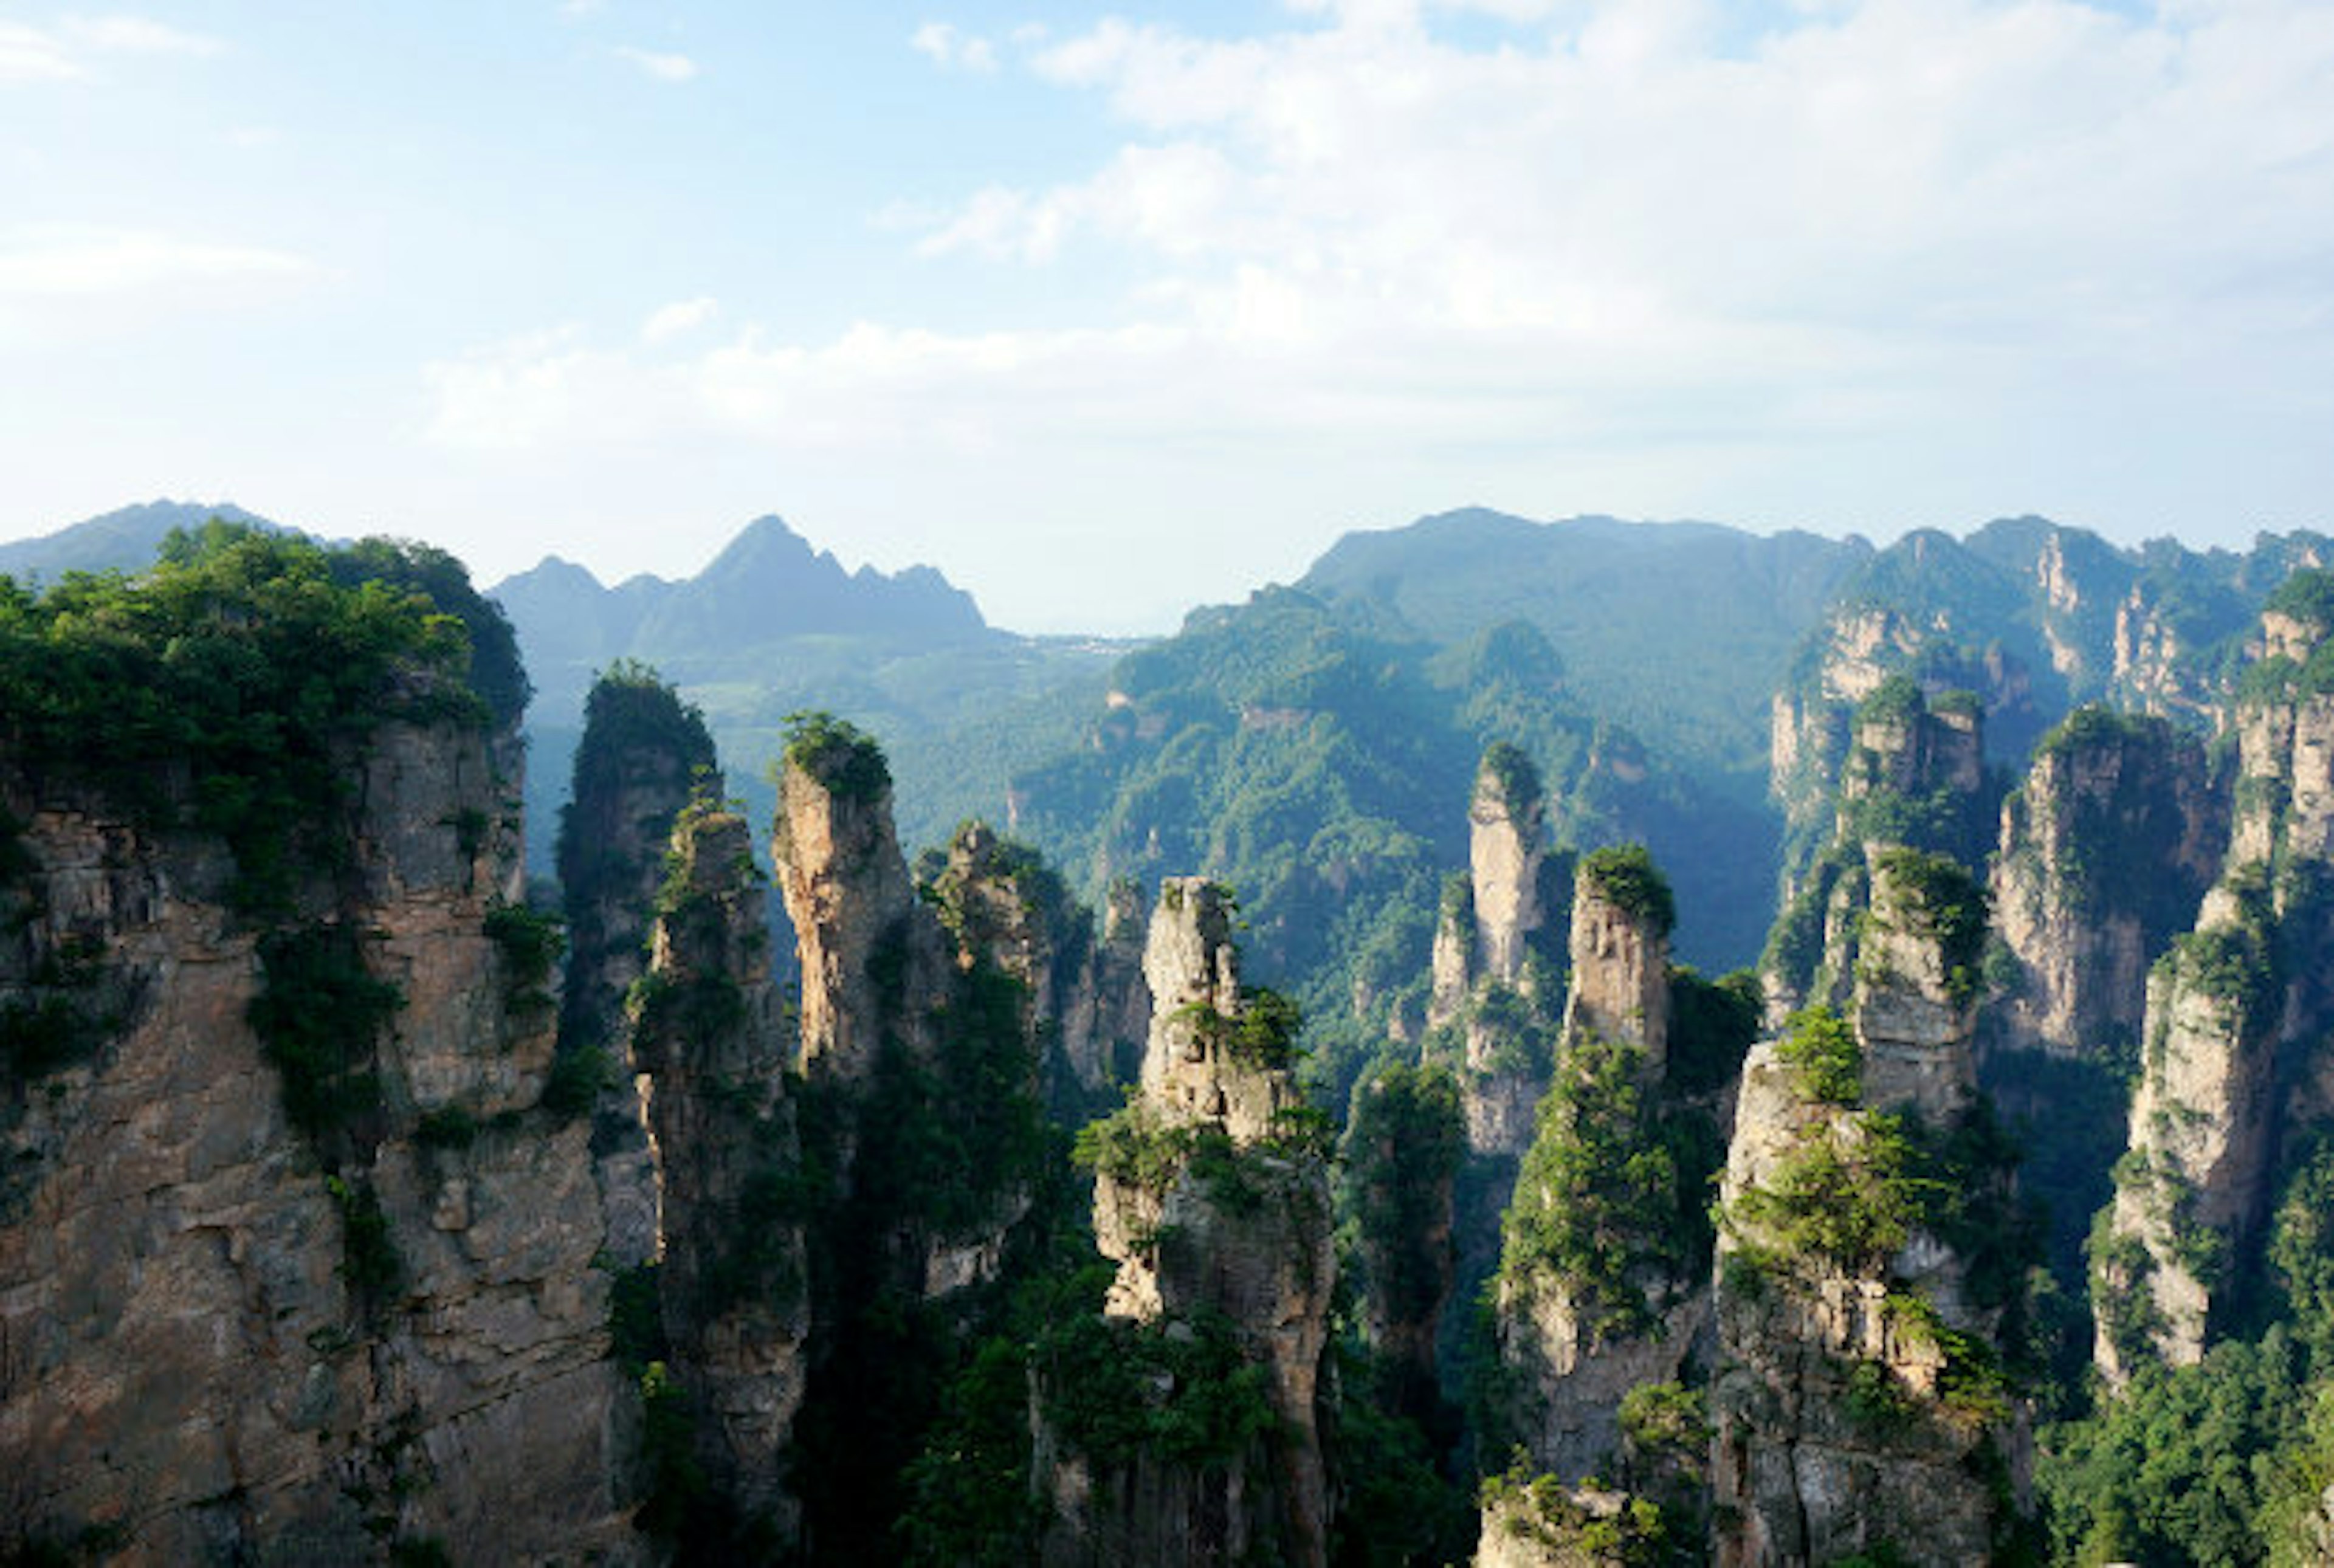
<point>58,262</point>
<point>672,68</point>
<point>66,51</point>
<point>677,320</point>
<point>137,35</point>
<point>1885,260</point>
<point>951,48</point>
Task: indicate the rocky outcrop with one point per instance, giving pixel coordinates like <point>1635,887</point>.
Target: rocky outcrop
<point>642,752</point>
<point>257,1302</point>
<point>713,1042</point>
<point>866,964</point>
<point>1856,1403</point>
<point>2231,1063</point>
<point>1213,1202</point>
<point>1506,845</point>
<point>1621,922</point>
<point>1104,1008</point>
<point>1600,1286</point>
<point>1916,984</point>
<point>1914,777</point>
<point>2105,852</point>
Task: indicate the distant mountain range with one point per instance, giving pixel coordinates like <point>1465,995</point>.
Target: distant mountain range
<point>122,541</point>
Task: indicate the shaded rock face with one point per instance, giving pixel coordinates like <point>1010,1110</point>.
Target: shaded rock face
<point>1570,1372</point>
<point>640,755</point>
<point>714,1041</point>
<point>2105,853</point>
<point>1506,842</point>
<point>193,1359</point>
<point>1620,975</point>
<point>1253,1248</point>
<point>1104,1004</point>
<point>1833,1436</point>
<point>1837,1428</point>
<point>1190,1068</point>
<point>1913,1016</point>
<point>848,896</point>
<point>2231,1061</point>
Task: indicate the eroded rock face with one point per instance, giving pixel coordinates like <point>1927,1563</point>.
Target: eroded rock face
<point>2105,852</point>
<point>714,1041</point>
<point>1241,1233</point>
<point>1190,1068</point>
<point>1620,974</point>
<point>1506,845</point>
<point>1834,1434</point>
<point>189,1359</point>
<point>1105,1003</point>
<point>1572,1358</point>
<point>2230,1054</point>
<point>848,895</point>
<point>1914,1011</point>
<point>641,752</point>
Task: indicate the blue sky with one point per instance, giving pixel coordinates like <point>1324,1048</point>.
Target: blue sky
<point>1108,313</point>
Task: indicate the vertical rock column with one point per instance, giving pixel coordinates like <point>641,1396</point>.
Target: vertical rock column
<point>641,749</point>
<point>710,1035</point>
<point>1595,1294</point>
<point>1217,1212</point>
<point>1855,1404</point>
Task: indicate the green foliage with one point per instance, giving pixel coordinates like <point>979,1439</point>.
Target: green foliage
<point>1405,1141</point>
<point>674,1487</point>
<point>2177,1468</point>
<point>1949,907</point>
<point>495,671</point>
<point>1624,876</point>
<point>1113,1388</point>
<point>318,1014</point>
<point>1897,699</point>
<point>449,1127</point>
<point>1846,1199</point>
<point>228,690</point>
<point>1517,781</point>
<point>1134,1145</point>
<point>1261,1034</point>
<point>578,1074</point>
<point>531,941</point>
<point>969,1501</point>
<point>1398,1509</point>
<point>2307,596</point>
<point>60,1020</point>
<point>1599,1205</point>
<point>1667,1419</point>
<point>1712,1026</point>
<point>1826,1062</point>
<point>838,754</point>
<point>1540,1509</point>
<point>636,1335</point>
<point>369,1258</point>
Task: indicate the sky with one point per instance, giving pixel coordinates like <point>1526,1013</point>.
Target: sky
<point>1107,313</point>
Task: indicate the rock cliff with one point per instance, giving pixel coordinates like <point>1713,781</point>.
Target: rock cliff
<point>642,751</point>
<point>2105,852</point>
<point>2229,1065</point>
<point>1600,1288</point>
<point>1859,1400</point>
<point>1212,1197</point>
<point>714,1042</point>
<point>291,1264</point>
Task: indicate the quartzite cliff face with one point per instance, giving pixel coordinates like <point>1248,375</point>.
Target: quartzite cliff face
<point>215,1346</point>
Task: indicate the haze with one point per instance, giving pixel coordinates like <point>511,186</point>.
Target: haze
<point>1105,315</point>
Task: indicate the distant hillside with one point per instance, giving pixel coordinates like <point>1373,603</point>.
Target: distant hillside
<point>773,625</point>
<point>1682,631</point>
<point>122,541</point>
